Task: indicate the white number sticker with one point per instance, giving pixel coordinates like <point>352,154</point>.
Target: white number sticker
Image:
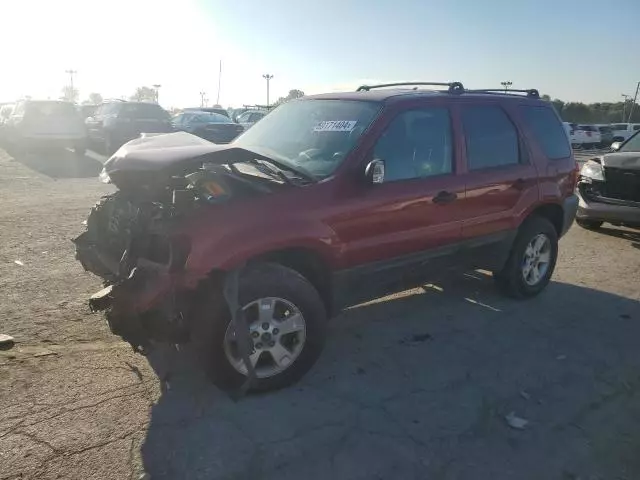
<point>335,126</point>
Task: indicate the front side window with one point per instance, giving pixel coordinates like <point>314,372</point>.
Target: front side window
<point>313,135</point>
<point>547,131</point>
<point>491,138</point>
<point>416,144</point>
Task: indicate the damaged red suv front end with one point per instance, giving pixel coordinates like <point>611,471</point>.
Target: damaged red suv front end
<point>139,238</point>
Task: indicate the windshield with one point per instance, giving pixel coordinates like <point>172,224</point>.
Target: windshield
<point>631,145</point>
<point>315,135</point>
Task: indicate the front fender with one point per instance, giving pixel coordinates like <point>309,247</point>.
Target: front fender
<point>239,246</point>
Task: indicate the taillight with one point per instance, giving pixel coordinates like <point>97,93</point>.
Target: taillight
<point>574,175</point>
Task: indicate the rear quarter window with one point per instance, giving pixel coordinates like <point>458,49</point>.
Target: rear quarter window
<point>544,125</point>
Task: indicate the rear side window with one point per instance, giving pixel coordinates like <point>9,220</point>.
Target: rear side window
<point>143,110</point>
<point>636,127</point>
<point>51,109</point>
<point>547,131</point>
<point>491,138</point>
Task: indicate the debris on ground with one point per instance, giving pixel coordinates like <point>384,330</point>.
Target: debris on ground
<point>19,262</point>
<point>6,341</point>
<point>561,357</point>
<point>45,353</point>
<point>525,395</point>
<point>417,338</point>
<point>516,422</point>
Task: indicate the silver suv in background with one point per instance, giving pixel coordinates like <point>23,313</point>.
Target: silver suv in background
<point>34,123</point>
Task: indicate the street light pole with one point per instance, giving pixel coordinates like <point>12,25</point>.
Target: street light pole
<point>71,74</point>
<point>635,97</point>
<point>202,94</point>
<point>506,85</point>
<point>268,78</point>
<point>157,88</point>
<point>624,104</point>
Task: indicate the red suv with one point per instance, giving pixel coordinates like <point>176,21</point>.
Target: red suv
<point>246,249</point>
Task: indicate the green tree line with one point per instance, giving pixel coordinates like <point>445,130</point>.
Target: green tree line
<point>604,112</point>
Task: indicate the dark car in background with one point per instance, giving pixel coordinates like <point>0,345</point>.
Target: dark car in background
<point>86,111</point>
<point>211,126</point>
<point>609,187</point>
<point>47,123</point>
<point>250,118</point>
<point>218,110</point>
<point>115,123</point>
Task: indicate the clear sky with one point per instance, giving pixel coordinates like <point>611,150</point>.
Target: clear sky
<point>575,50</point>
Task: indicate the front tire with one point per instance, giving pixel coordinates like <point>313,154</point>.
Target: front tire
<point>287,321</point>
<point>532,259</point>
<point>589,224</point>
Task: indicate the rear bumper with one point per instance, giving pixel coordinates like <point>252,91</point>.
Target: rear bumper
<point>608,210</point>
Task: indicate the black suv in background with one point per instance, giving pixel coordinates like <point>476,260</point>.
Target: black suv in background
<point>115,123</point>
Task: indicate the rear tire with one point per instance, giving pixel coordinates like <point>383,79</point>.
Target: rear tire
<point>589,224</point>
<point>513,279</point>
<point>211,321</point>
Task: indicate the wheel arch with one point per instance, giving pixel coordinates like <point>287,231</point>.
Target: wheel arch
<point>552,212</point>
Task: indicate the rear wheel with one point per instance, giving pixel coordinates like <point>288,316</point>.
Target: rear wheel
<point>287,329</point>
<point>589,224</point>
<point>531,261</point>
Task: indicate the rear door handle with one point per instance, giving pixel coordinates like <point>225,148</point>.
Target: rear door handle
<point>444,197</point>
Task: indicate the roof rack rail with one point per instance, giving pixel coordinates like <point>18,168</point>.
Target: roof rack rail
<point>453,87</point>
<point>531,92</point>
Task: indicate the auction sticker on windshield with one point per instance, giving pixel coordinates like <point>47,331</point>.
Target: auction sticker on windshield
<point>335,126</point>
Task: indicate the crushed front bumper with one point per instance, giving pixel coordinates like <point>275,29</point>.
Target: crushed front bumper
<point>603,209</point>
<point>142,308</point>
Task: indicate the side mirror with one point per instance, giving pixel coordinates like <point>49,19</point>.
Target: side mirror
<point>615,146</point>
<point>374,172</point>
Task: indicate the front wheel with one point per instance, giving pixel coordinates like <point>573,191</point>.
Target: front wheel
<point>287,328</point>
<point>531,261</point>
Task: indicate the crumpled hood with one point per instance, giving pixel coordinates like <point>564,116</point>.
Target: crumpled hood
<point>625,160</point>
<point>169,151</point>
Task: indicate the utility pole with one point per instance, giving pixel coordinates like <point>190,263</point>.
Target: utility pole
<point>635,97</point>
<point>157,88</point>
<point>202,94</point>
<point>268,78</point>
<point>624,105</point>
<point>506,85</point>
<point>219,80</point>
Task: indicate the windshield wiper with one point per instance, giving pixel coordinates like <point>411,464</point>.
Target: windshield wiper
<point>271,170</point>
<point>280,167</point>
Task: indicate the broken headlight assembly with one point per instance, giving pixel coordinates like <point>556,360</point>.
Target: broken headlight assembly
<point>104,176</point>
<point>592,170</point>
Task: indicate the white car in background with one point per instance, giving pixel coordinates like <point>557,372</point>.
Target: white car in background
<point>622,131</point>
<point>580,135</point>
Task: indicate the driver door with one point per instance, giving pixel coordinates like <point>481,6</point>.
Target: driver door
<point>415,215</point>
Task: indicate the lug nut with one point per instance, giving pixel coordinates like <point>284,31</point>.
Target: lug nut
<point>258,346</point>
<point>265,326</point>
<point>276,331</point>
<point>255,334</point>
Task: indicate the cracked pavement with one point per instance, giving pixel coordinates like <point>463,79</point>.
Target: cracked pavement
<point>416,385</point>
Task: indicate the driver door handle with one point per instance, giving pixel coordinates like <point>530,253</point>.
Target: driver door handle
<point>445,197</point>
